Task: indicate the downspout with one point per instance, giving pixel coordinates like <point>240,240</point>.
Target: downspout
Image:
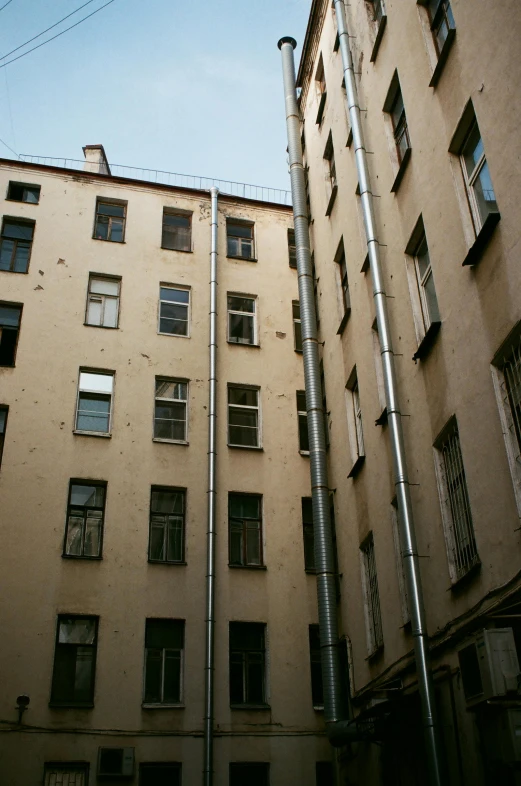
<point>334,709</point>
<point>406,520</point>
<point>210,536</point>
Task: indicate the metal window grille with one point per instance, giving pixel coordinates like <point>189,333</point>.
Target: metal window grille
<point>241,320</point>
<point>167,525</point>
<point>177,231</point>
<point>374,616</point>
<point>15,245</point>
<point>243,417</point>
<point>477,177</point>
<point>63,775</point>
<point>297,326</point>
<point>85,514</point>
<point>170,417</point>
<point>103,302</point>
<point>174,311</point>
<point>164,647</point>
<point>401,130</point>
<point>110,221</point>
<point>465,554</point>
<point>245,529</point>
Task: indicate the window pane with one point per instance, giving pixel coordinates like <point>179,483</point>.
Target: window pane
<point>303,432</point>
<point>473,149</point>
<point>159,775</point>
<point>90,496</point>
<point>157,537</point>
<point>241,329</point>
<point>77,631</point>
<point>301,400</point>
<point>175,295</point>
<point>243,417</point>
<point>484,192</point>
<point>167,388</point>
<point>175,539</point>
<point>107,209</point>
<point>253,550</point>
<point>93,534</point>
<point>73,545</point>
<point>430,297</point>
<point>247,774</point>
<point>240,230</point>
<point>9,316</point>
<point>255,678</point>
<point>21,260</point>
<point>247,636</point>
<point>116,230</point>
<point>245,506</point>
<point>164,634</point>
<point>110,318</point>
<point>94,311</point>
<point>397,109</point>
<point>153,669</point>
<point>241,304</point>
<point>6,253</point>
<point>236,557</point>
<point>18,231</point>
<point>3,418</point>
<point>236,679</point>
<point>93,413</point>
<point>102,228</point>
<point>172,678</point>
<point>101,383</point>
<point>167,501</point>
<point>103,286</point>
<point>422,256</point>
<point>243,396</point>
<point>174,220</point>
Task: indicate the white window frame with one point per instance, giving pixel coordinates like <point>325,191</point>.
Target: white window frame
<point>372,606</point>
<point>451,541</point>
<point>245,407</point>
<point>98,298</point>
<point>400,568</point>
<point>175,381</point>
<point>179,288</point>
<point>513,448</point>
<point>252,315</point>
<point>110,396</point>
<point>354,419</point>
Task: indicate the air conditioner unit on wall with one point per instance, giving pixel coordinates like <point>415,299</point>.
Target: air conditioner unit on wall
<point>489,665</point>
<point>115,763</point>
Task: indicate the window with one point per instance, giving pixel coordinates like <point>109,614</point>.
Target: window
<point>23,192</point>
<point>320,86</point>
<point>170,414</point>
<point>247,663</point>
<point>297,326</point>
<point>15,245</point>
<point>378,10</point>
<point>476,174</point>
<point>66,774</point>
<point>164,646</point>
<point>3,425</point>
<point>94,411</point>
<point>354,422</point>
<point>315,659</point>
<point>85,516</point>
<point>10,316</point>
<point>506,375</point>
<point>379,372</point>
<point>242,320</point>
<point>421,286</point>
<point>331,182</point>
<point>177,230</point>
<point>243,417</point>
<point>324,773</point>
<point>167,525</point>
<point>239,239</point>
<point>103,301</point>
<point>342,286</point>
<point>455,504</point>
<point>309,534</point>
<point>303,439</point>
<point>174,311</point>
<point>110,220</point>
<point>373,617</point>
<point>245,529</point>
<point>74,661</point>
<point>442,22</point>
<point>324,403</point>
<point>160,774</point>
<point>250,773</point>
<point>292,249</point>
<point>399,120</point>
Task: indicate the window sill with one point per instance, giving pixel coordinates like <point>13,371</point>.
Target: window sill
<point>107,240</point>
<point>172,335</point>
<point>442,59</point>
<point>162,706</point>
<point>248,567</point>
<point>485,233</point>
<point>103,327</point>
<point>299,351</point>
<point>181,250</point>
<point>461,582</point>
<point>401,170</point>
<point>343,323</point>
<point>164,562</point>
<point>55,705</point>
<point>83,558</point>
<point>321,105</point>
<point>240,344</point>
<point>244,259</point>
<point>171,441</point>
<point>19,272</point>
<point>304,453</point>
<point>331,200</point>
<point>250,707</point>
<point>357,466</point>
<point>382,420</point>
<point>379,36</point>
<point>245,447</point>
<point>21,201</point>
<point>91,434</point>
<point>318,707</point>
<point>427,342</point>
<point>375,653</point>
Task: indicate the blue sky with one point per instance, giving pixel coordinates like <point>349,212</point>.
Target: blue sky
<point>190,87</point>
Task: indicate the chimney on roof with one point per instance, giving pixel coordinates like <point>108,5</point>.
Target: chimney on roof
<point>96,160</point>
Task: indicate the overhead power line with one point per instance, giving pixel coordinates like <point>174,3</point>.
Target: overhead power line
<point>5,4</point>
<point>44,31</point>
<point>3,65</point>
<point>5,143</point>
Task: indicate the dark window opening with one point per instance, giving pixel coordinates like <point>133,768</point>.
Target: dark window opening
<point>85,516</point>
<point>15,245</point>
<point>164,645</point>
<point>239,239</point>
<point>177,231</point>
<point>23,192</point>
<point>249,774</point>
<point>315,659</point>
<point>74,661</point>
<point>160,774</point>
<point>245,529</point>
<point>309,535</point>
<point>9,329</point>
<point>110,221</point>
<point>247,663</point>
<point>167,525</point>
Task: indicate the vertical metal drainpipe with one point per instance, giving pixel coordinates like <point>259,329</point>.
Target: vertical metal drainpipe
<point>406,520</point>
<point>210,536</point>
<point>324,556</point>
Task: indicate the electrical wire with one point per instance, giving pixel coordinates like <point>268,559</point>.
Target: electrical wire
<point>5,143</point>
<point>3,65</point>
<point>45,31</point>
<point>6,4</point>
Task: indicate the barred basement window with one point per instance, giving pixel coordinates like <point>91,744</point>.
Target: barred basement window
<point>242,320</point>
<point>15,244</point>
<point>303,438</point>
<point>164,650</point>
<point>66,774</point>
<point>243,417</point>
<point>297,326</point>
<point>85,517</point>
<point>247,663</point>
<point>94,408</point>
<point>455,504</point>
<point>110,220</point>
<point>373,616</point>
<point>167,525</point>
<point>74,661</point>
<point>245,529</point>
<point>309,534</point>
<point>170,413</point>
<point>177,230</point>
<point>174,311</point>
<point>315,659</point>
<point>239,239</point>
<point>103,301</point>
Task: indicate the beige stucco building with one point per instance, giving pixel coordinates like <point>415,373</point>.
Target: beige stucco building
<point>436,84</point>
